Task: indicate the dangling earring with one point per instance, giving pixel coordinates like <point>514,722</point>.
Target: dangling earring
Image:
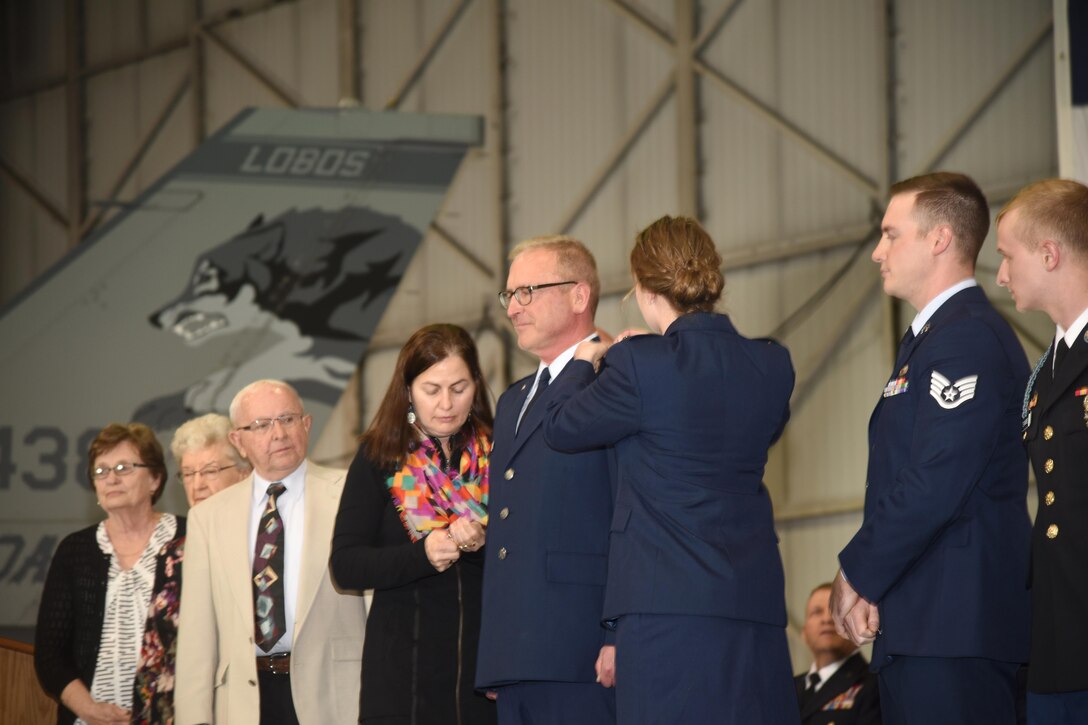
<point>411,415</point>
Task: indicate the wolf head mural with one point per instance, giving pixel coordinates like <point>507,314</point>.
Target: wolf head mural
<point>288,297</point>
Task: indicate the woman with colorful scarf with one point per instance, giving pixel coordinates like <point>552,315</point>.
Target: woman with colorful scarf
<point>412,526</point>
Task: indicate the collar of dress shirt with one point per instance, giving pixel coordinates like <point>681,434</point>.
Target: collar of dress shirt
<point>1074,330</point>
<point>827,671</point>
<point>295,483</point>
<point>559,362</point>
<point>926,312</point>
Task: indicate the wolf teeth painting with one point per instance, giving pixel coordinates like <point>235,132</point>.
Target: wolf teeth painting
<point>294,297</point>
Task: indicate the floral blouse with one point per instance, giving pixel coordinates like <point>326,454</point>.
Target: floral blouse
<point>153,700</point>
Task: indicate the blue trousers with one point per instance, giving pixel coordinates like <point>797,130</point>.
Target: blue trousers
<point>1058,708</point>
<point>556,703</point>
<point>948,691</point>
<point>673,669</point>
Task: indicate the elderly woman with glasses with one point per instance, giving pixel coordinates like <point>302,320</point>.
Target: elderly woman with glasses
<point>207,463</point>
<point>100,582</point>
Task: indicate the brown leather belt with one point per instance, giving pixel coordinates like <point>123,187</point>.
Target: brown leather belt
<point>279,664</point>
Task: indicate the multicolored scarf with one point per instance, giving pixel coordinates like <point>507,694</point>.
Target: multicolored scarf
<point>428,497</point>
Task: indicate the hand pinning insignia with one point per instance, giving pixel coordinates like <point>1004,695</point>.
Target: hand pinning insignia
<point>951,395</point>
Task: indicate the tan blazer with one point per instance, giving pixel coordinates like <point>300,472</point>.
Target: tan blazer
<point>216,668</point>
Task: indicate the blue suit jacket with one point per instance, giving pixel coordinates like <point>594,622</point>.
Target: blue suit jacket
<point>547,552</point>
<point>943,548</point>
<point>692,414</point>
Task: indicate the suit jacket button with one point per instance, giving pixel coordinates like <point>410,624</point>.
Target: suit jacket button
<point>1052,531</point>
<point>508,474</point>
<point>502,552</point>
<point>1048,432</point>
<point>504,513</point>
<point>1049,498</point>
<point>1049,465</point>
<point>253,683</point>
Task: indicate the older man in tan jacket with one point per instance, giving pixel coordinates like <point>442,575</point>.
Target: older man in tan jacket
<point>265,637</point>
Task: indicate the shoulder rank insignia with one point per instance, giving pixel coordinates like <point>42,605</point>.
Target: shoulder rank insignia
<point>951,395</point>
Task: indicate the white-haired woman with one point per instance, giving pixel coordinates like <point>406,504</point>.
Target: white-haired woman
<point>207,463</point>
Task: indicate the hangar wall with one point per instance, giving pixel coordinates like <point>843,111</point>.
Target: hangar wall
<point>779,123</point>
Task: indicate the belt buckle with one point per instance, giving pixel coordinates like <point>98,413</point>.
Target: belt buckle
<point>279,663</point>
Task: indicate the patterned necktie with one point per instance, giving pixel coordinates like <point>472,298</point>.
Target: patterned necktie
<point>541,386</point>
<point>268,606</point>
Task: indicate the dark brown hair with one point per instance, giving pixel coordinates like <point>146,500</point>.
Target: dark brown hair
<point>389,436</point>
<point>145,442</point>
<point>1054,209</point>
<point>946,197</point>
<point>675,258</point>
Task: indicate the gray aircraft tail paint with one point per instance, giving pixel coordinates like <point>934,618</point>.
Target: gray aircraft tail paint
<point>271,250</point>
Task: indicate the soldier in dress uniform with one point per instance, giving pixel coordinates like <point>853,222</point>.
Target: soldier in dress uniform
<point>838,688</point>
<point>936,575</point>
<point>1042,236</point>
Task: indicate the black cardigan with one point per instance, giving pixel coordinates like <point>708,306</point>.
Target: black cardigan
<point>70,616</point>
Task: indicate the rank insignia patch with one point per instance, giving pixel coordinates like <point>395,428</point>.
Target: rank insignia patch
<point>951,395</point>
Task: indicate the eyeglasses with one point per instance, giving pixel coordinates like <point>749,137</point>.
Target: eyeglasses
<point>524,295</point>
<point>264,425</point>
<point>121,469</point>
<point>209,473</point>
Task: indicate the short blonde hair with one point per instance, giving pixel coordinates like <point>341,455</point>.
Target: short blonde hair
<point>203,432</point>
<point>573,258</point>
<point>1052,208</point>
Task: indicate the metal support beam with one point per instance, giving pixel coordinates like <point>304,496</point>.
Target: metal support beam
<point>499,140</point>
<point>852,174</point>
<point>287,97</point>
<point>687,111</point>
<point>956,134</point>
<point>892,313</point>
<point>74,119</point>
<point>348,52</point>
<point>641,20</point>
<point>163,48</point>
<point>425,57</point>
<point>612,161</point>
<point>832,343</point>
<point>138,154</point>
<point>719,21</point>
<point>447,236</point>
<point>199,105</point>
<point>25,183</point>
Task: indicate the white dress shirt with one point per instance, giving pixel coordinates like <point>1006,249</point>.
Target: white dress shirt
<point>926,312</point>
<point>554,369</point>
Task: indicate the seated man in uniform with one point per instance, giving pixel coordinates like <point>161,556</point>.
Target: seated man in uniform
<point>838,688</point>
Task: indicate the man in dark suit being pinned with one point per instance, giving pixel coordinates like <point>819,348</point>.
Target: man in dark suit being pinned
<point>1042,236</point>
<point>937,573</point>
<point>838,689</point>
<point>542,648</point>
